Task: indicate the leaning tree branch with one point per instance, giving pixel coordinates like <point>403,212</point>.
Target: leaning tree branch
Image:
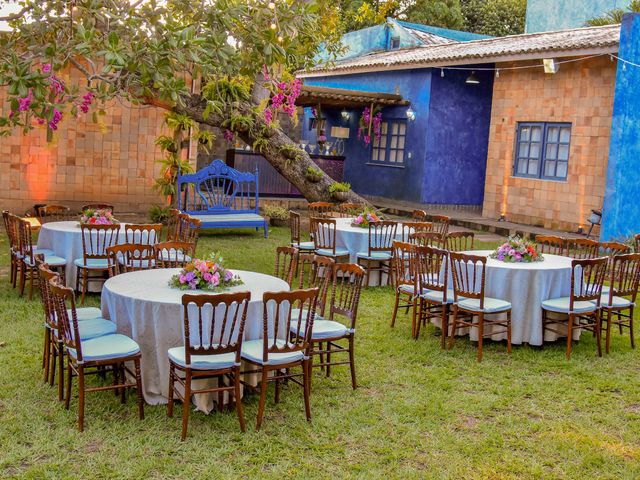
<point>17,15</point>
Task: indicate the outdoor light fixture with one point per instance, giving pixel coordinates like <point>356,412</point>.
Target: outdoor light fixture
<point>550,65</point>
<point>34,222</point>
<point>503,217</point>
<point>345,115</point>
<point>472,79</point>
<point>340,133</point>
<point>411,114</point>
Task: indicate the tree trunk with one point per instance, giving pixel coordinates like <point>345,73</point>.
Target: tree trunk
<point>293,170</point>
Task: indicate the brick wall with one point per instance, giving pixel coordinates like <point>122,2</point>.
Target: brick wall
<point>580,93</point>
<point>115,163</point>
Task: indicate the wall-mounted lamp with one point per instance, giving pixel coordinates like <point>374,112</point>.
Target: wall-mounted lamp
<point>503,217</point>
<point>411,114</point>
<point>550,65</point>
<point>472,79</point>
<point>345,115</point>
<point>340,134</point>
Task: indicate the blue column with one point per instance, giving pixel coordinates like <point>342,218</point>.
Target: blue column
<point>622,193</point>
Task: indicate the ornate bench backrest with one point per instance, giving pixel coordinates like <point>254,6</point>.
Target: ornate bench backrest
<point>217,189</point>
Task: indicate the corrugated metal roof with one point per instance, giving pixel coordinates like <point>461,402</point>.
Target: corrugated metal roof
<point>429,38</point>
<point>515,47</point>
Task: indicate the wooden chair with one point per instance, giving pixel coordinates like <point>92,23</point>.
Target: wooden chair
<point>190,231</point>
<point>419,215</point>
<point>314,271</point>
<point>551,244</point>
<point>610,249</point>
<point>214,329</point>
<point>582,306</point>
<point>286,263</point>
<point>617,305</point>
<point>427,239</point>
<point>582,248</point>
<point>636,242</point>
<point>143,234</point>
<point>94,264</point>
<point>95,355</point>
<point>470,305</point>
<point>172,254</point>
<point>348,210</point>
<point>296,234</point>
<point>324,237</point>
<point>28,268</point>
<point>436,295</point>
<point>98,206</point>
<point>407,228</point>
<point>440,224</point>
<point>381,237</point>
<point>346,285</point>
<point>285,343</point>
<point>173,225</point>
<point>460,241</point>
<point>53,213</point>
<point>406,288</point>
<point>321,209</point>
<point>10,226</point>
<point>129,257</point>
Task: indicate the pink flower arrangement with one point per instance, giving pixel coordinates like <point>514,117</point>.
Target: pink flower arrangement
<point>517,250</point>
<point>208,275</point>
<point>365,218</point>
<point>100,216</point>
<point>283,97</point>
<point>376,123</point>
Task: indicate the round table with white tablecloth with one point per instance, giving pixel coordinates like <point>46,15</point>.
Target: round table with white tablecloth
<point>145,307</point>
<point>526,286</point>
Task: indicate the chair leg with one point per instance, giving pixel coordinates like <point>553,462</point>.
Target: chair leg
<point>77,279</point>
<point>352,363</point>
<point>444,326</point>
<point>46,353</point>
<point>22,279</point>
<point>395,310</point>
<point>139,389</point>
<point>453,327</point>
<point>31,275</point>
<point>608,319</point>
<point>263,396</point>
<point>598,332</point>
<point>171,385</point>
<point>414,314</point>
<point>306,372</point>
<point>186,404</point>
<point>123,378</point>
<point>480,335</point>
<point>238,398</point>
<point>85,281</point>
<point>54,351</point>
<point>633,345</point>
<point>81,394</point>
<point>61,372</point>
<point>328,359</point>
<point>509,331</point>
<point>67,397</point>
<point>277,382</point>
<point>569,336</point>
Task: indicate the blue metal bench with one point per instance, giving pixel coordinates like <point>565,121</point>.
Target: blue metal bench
<point>221,197</point>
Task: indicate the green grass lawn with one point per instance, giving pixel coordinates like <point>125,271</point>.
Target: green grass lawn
<point>419,412</point>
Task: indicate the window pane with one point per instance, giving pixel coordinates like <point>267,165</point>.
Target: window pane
<point>401,142</point>
<point>375,155</point>
<point>522,166</point>
<point>533,167</point>
<point>553,134</point>
<point>565,134</point>
<point>524,150</point>
<point>525,133</point>
<point>561,171</point>
<point>552,151</point>
<point>536,134</point>
<point>384,127</point>
<point>394,142</point>
<point>392,156</point>
<point>382,156</point>
<point>394,128</point>
<point>563,152</point>
<point>376,143</point>
<point>549,169</point>
<point>534,150</point>
<point>403,128</point>
<point>400,156</point>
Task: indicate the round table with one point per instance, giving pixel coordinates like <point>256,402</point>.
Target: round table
<point>526,286</point>
<point>144,307</point>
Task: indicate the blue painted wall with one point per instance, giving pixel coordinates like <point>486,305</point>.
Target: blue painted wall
<point>622,193</point>
<point>548,15</point>
<point>457,139</point>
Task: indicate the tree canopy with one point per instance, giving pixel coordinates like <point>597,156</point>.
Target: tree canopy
<point>614,16</point>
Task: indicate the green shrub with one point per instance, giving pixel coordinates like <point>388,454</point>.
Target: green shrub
<point>159,213</point>
<point>339,187</point>
<point>276,211</point>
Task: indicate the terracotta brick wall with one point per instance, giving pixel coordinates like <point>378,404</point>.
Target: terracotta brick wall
<point>580,93</point>
<point>115,163</point>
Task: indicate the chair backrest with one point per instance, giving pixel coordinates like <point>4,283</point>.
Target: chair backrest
<point>460,241</point>
<point>624,276</point>
<point>314,271</point>
<point>11,226</point>
<point>407,228</point>
<point>25,239</point>
<point>403,271</point>
<point>173,225</point>
<point>636,242</point>
<point>96,239</point>
<point>430,239</point>
<point>582,248</point>
<point>129,257</point>
<point>46,275</point>
<point>468,273</point>
<point>191,232</point>
<point>587,278</point>
<point>146,234</point>
<point>381,236</point>
<point>172,254</point>
<point>608,249</point>
<point>432,269</point>
<point>53,213</point>
<point>551,244</point>
<point>320,209</point>
<point>282,331</point>
<point>348,210</point>
<point>346,285</point>
<point>98,206</point>
<point>419,215</point>
<point>294,226</point>
<point>440,223</point>
<point>64,303</point>
<point>324,233</point>
<point>286,263</point>
<point>214,323</point>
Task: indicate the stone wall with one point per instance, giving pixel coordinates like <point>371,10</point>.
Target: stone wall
<point>580,93</point>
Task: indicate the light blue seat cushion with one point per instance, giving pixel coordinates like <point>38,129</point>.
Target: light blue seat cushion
<point>92,263</point>
<point>304,245</point>
<point>202,362</point>
<point>340,252</point>
<point>107,347</point>
<point>252,351</point>
<point>606,289</point>
<point>561,305</point>
<point>406,288</point>
<point>491,305</point>
<point>380,256</point>
<point>51,260</point>
<point>617,302</point>
<point>438,296</point>
<point>43,251</point>
<point>95,327</point>
<point>86,313</point>
<point>323,329</point>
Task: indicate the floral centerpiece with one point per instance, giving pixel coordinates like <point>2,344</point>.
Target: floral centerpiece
<point>98,216</point>
<point>208,275</point>
<point>365,218</point>
<point>517,250</point>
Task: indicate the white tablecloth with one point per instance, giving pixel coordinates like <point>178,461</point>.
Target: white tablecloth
<point>144,307</point>
<point>526,286</point>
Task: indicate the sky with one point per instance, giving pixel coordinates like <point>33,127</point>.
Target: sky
<point>6,9</point>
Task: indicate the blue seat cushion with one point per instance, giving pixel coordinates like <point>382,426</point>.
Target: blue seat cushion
<point>86,313</point>
<point>43,251</point>
<point>202,362</point>
<point>51,260</point>
<point>438,296</point>
<point>304,245</point>
<point>406,288</point>
<point>323,329</point>
<point>107,347</point>
<point>617,302</point>
<point>380,256</point>
<point>491,305</point>
<point>561,305</point>
<point>340,252</point>
<point>92,263</point>
<point>252,350</point>
<point>95,327</point>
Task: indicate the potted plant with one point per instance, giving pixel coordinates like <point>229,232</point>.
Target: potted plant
<point>314,175</point>
<point>278,216</point>
<point>340,190</point>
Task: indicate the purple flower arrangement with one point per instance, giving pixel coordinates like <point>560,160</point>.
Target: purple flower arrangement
<point>365,120</point>
<point>517,250</point>
<point>283,96</point>
<point>365,218</point>
<point>99,216</point>
<point>208,275</point>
